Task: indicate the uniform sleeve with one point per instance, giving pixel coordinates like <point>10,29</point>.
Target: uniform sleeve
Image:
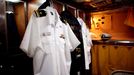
<point>71,43</point>
<point>30,39</point>
<point>73,39</point>
<point>89,39</point>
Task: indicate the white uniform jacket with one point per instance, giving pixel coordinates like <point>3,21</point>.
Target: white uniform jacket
<point>87,42</point>
<point>49,42</point>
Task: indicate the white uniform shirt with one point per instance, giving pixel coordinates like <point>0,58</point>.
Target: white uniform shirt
<point>49,42</point>
<point>87,42</point>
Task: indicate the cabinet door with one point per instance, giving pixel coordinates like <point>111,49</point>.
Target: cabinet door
<point>130,55</point>
<point>103,56</point>
<point>94,52</point>
<point>108,58</point>
<point>121,58</point>
<point>118,57</point>
<point>100,58</point>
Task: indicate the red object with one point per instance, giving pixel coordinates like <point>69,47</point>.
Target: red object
<point>130,17</point>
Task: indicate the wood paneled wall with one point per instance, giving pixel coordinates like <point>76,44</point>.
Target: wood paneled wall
<point>20,18</point>
<point>118,29</point>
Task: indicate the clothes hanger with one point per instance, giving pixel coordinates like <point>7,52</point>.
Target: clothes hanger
<point>65,7</point>
<point>39,12</point>
<point>45,4</point>
<point>77,13</point>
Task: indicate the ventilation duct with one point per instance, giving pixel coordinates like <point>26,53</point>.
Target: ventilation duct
<point>14,1</point>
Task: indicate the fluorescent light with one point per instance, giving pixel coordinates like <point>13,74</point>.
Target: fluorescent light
<point>14,0</point>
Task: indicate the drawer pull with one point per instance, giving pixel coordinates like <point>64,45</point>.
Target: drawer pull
<point>116,46</point>
<point>104,46</point>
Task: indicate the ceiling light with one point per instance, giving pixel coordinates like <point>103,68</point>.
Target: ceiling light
<point>14,1</point>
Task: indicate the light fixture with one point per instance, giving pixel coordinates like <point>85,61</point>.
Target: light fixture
<point>15,1</point>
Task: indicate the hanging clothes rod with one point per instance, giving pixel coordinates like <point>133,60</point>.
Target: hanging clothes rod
<point>76,10</point>
<point>64,4</point>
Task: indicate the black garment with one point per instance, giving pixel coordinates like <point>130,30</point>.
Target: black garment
<point>78,61</point>
<point>15,62</point>
<point>13,35</point>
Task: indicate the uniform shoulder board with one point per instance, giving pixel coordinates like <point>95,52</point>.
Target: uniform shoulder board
<point>40,13</point>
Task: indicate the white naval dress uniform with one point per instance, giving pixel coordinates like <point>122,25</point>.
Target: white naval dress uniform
<point>87,42</point>
<point>49,42</point>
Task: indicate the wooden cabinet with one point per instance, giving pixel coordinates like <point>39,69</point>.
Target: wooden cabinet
<point>118,57</point>
<point>103,57</point>
<point>130,65</point>
<point>108,58</point>
<point>100,60</point>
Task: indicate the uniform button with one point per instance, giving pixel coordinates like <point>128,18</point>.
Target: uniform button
<point>40,13</point>
<point>43,34</point>
<point>62,36</point>
<point>12,66</point>
<point>78,55</point>
<point>46,34</point>
<point>52,25</point>
<point>51,13</point>
<point>60,26</point>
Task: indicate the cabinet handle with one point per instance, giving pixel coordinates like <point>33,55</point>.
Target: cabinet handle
<point>116,47</point>
<point>104,46</point>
